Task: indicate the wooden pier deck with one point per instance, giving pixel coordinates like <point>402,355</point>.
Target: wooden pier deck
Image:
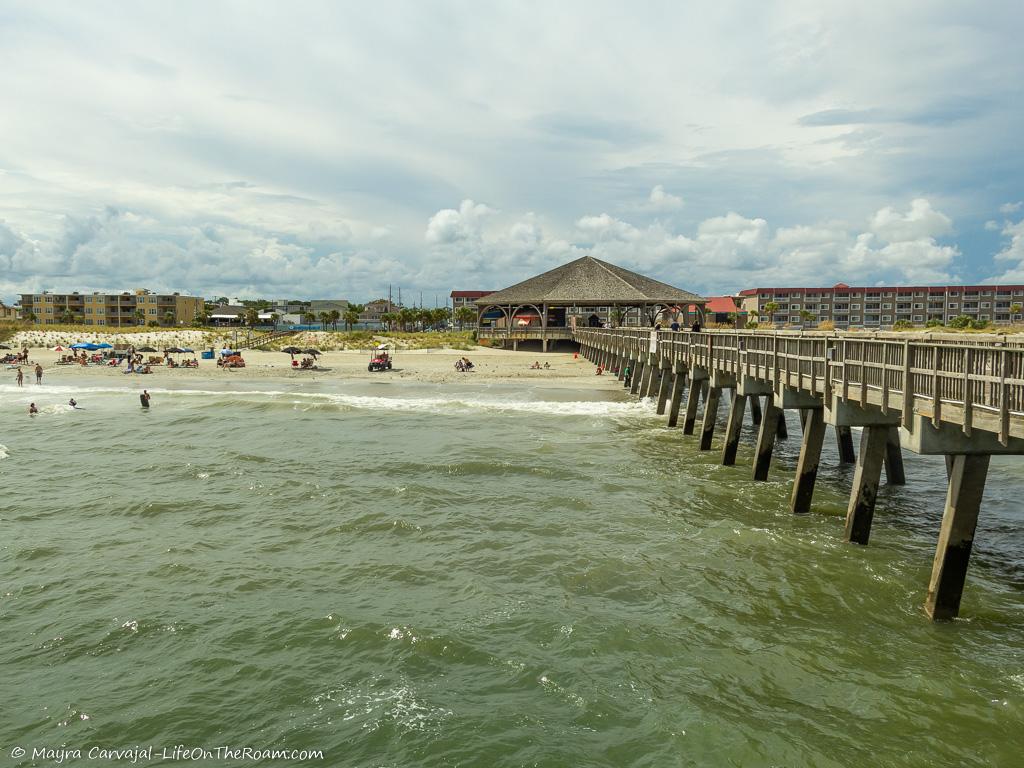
<point>960,397</point>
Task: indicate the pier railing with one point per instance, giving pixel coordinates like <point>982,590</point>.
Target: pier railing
<point>971,383</point>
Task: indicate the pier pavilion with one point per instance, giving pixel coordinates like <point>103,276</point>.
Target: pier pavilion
<point>586,292</point>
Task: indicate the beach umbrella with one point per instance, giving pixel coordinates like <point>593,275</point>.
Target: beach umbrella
<point>291,350</point>
<point>81,345</point>
<point>58,348</point>
<point>175,350</point>
<point>104,345</point>
<point>188,351</point>
<point>311,351</point>
<point>146,349</point>
<point>4,346</point>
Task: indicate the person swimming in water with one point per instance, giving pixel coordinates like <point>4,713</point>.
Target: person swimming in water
<point>32,410</point>
<point>144,399</point>
<point>73,403</point>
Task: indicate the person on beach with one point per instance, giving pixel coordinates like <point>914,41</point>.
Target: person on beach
<point>144,399</point>
<point>547,364</point>
<point>21,377</point>
<point>600,370</point>
<point>627,375</point>
<point>39,374</point>
<point>32,410</point>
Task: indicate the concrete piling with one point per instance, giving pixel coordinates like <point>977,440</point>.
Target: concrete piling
<point>844,442</point>
<point>678,383</point>
<point>894,471</point>
<point>664,386</point>
<point>956,536</point>
<point>810,455</point>
<point>707,431</point>
<point>698,391</point>
<point>861,509</point>
<point>766,439</point>
<point>732,431</point>
<point>755,410</point>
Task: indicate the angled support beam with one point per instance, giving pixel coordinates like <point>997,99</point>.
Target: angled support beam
<point>638,374</point>
<point>956,536</point>
<point>664,386</point>
<point>698,389</point>
<point>844,442</point>
<point>894,471</point>
<point>807,466</point>
<point>678,383</point>
<point>861,509</point>
<point>707,431</point>
<point>732,431</point>
<point>755,409</point>
<point>766,439</point>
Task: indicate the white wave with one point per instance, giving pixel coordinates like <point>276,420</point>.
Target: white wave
<point>3,452</point>
<point>460,402</point>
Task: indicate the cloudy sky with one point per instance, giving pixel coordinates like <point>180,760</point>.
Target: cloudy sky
<point>309,149</point>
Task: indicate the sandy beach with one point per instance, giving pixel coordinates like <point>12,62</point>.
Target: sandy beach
<point>433,366</point>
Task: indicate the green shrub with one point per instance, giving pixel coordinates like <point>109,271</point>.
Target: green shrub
<point>960,322</point>
<point>933,323</point>
<point>902,325</point>
<point>979,325</point>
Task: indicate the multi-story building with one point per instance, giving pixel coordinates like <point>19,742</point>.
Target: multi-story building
<point>139,307</point>
<point>462,299</point>
<point>883,306</point>
<point>9,314</point>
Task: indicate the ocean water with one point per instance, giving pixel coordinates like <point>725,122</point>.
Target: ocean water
<point>417,575</point>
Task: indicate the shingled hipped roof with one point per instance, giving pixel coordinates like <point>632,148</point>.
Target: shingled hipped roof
<point>590,281</point>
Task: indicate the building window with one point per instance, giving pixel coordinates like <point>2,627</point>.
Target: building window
<point>952,305</point>
<point>986,304</point>
<point>918,318</point>
<point>855,306</point>
<point>855,318</point>
<point>887,306</point>
<point>886,319</point>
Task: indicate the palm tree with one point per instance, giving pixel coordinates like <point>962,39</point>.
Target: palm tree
<point>275,319</point>
<point>335,317</point>
<point>252,316</point>
<point>464,315</point>
<point>140,317</point>
<point>308,318</point>
<point>770,309</point>
<point>618,315</point>
<point>352,315</point>
<point>806,315</point>
<point>1015,308</point>
<point>325,318</point>
<point>169,317</point>
<point>388,320</point>
<point>405,316</point>
<point>67,317</point>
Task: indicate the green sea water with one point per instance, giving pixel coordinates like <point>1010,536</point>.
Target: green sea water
<point>416,575</point>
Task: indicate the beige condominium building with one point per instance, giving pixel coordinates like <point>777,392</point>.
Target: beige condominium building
<point>881,307</point>
<point>139,307</point>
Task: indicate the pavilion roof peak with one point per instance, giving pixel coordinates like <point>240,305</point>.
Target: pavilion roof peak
<point>590,281</point>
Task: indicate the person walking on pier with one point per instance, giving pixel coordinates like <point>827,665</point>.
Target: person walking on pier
<point>627,375</point>
<point>696,326</point>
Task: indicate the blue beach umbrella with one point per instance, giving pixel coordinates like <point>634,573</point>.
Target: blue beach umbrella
<point>104,346</point>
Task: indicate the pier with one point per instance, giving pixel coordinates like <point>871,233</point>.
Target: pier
<point>960,397</point>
